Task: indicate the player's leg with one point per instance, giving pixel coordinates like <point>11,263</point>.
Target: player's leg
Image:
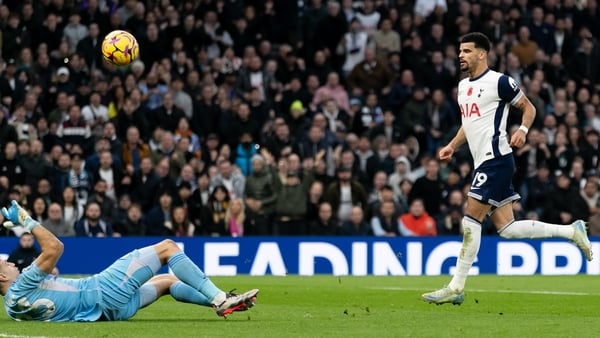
<point>120,282</point>
<point>471,222</point>
<point>189,273</point>
<point>503,219</point>
<point>165,284</point>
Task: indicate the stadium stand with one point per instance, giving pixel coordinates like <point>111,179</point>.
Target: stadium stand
<point>231,101</point>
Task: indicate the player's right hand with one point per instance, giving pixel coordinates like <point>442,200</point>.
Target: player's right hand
<point>446,153</point>
<point>17,216</point>
<point>11,215</point>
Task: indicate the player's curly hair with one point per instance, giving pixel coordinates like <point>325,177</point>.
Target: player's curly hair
<point>479,39</point>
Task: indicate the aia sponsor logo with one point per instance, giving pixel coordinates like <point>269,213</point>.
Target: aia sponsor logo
<point>469,109</point>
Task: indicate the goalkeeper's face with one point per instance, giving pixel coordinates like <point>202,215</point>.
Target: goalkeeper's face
<point>8,272</point>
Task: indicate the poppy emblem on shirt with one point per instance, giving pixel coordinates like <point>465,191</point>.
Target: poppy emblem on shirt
<point>470,91</point>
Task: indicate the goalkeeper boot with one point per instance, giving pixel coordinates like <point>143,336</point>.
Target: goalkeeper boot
<point>580,238</point>
<point>234,302</point>
<point>444,295</point>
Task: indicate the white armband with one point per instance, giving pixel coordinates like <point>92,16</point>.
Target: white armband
<point>524,129</point>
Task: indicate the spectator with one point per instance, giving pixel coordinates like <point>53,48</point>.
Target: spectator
<point>379,181</point>
<point>8,133</point>
<point>370,75</point>
<point>135,114</point>
<point>38,210</point>
<point>134,150</point>
<point>385,223</point>
<point>260,197</point>
<point>388,128</point>
<point>25,253</point>
<point>95,113</point>
<point>451,221</point>
<point>72,211</point>
<point>296,120</point>
<point>231,178</point>
<point>254,76</point>
<point>292,195</point>
<point>43,190</point>
<point>167,151</point>
<point>180,224</point>
<point>235,218</point>
<point>345,193</point>
<point>74,130</point>
<point>159,216</point>
<point>79,179</point>
<point>11,165</point>
<point>564,203</point>
<point>12,89</point>
<point>35,165</point>
<point>217,206</point>
<point>386,40</point>
<point>55,222</point>
<point>381,159</point>
<point>205,119</point>
<point>242,123</point>
<point>353,45</point>
<point>331,29</point>
<point>92,225</point>
<point>281,143</point>
<point>167,115</point>
<point>525,48</point>
<point>326,224</point>
<point>429,188</point>
<point>108,205</point>
<point>245,151</point>
<point>369,116</point>
<point>332,89</point>
<point>356,225</point>
<point>133,224</point>
<point>417,222</point>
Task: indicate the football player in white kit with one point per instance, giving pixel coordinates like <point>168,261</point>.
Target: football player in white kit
<point>484,98</point>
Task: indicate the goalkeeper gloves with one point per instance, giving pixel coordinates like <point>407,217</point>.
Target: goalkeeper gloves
<point>17,216</point>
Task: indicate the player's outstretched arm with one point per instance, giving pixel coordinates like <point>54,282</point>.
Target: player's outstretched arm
<point>51,247</point>
<point>458,140</point>
<point>519,137</point>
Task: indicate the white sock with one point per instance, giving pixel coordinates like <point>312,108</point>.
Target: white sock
<point>536,229</point>
<point>468,252</point>
<point>219,298</point>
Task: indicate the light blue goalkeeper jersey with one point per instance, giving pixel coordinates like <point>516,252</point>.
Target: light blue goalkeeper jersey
<point>36,295</point>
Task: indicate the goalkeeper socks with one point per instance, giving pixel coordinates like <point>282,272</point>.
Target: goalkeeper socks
<point>536,229</point>
<point>468,252</point>
<point>190,274</point>
<point>187,294</point>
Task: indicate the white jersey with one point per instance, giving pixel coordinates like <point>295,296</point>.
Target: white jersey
<point>484,103</point>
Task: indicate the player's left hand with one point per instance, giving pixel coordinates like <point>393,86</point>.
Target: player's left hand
<point>517,139</point>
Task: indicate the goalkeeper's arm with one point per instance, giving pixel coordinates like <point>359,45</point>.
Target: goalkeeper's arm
<point>52,249</point>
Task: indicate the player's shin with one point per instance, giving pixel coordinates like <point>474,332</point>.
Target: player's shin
<point>190,274</point>
<point>187,294</point>
<point>468,252</point>
<point>535,229</point>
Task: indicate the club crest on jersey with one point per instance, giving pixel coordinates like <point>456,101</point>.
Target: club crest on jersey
<point>468,110</point>
<point>470,91</point>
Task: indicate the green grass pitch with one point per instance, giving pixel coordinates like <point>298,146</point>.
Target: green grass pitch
<point>329,306</point>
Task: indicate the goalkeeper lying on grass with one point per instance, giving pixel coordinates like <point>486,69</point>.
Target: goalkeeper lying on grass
<point>116,293</point>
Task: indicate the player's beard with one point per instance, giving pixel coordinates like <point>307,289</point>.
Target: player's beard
<point>464,66</point>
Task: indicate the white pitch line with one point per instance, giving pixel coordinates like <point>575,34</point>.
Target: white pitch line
<point>532,292</point>
<point>7,335</point>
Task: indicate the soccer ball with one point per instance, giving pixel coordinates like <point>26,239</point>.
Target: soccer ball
<point>120,48</point>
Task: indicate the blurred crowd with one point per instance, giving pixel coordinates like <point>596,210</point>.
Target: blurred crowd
<point>280,117</point>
